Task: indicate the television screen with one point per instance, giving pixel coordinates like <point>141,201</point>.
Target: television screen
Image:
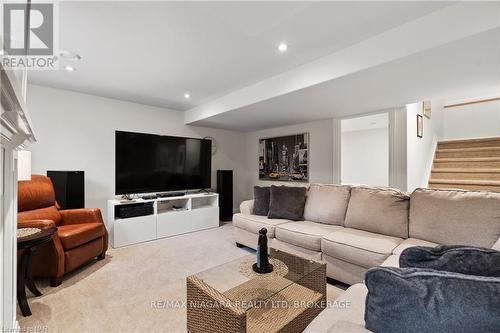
<point>146,163</point>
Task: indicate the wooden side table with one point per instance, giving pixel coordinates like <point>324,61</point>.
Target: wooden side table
<point>29,243</point>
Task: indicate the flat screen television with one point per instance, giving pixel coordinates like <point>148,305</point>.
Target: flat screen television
<point>147,163</point>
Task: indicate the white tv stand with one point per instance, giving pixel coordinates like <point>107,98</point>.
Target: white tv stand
<point>171,216</point>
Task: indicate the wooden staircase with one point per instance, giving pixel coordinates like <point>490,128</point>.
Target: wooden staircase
<point>472,164</point>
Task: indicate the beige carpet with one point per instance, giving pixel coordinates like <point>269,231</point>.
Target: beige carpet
<point>116,294</point>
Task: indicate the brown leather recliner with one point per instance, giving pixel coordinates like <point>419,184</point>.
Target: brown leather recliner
<point>81,234</point>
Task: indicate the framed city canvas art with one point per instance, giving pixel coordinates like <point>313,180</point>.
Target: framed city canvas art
<point>284,158</point>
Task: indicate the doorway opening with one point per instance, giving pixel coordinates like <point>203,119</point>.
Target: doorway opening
<point>365,150</point>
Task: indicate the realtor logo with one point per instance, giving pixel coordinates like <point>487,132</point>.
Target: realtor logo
<point>29,36</point>
<point>28,29</point>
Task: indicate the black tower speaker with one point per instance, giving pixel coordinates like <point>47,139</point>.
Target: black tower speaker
<point>69,187</point>
<point>225,190</point>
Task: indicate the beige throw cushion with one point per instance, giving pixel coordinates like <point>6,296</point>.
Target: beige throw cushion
<point>327,204</point>
<point>378,209</point>
<point>454,217</point>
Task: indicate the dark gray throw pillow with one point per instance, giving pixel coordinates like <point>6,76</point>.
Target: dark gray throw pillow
<point>457,258</point>
<point>287,202</point>
<point>261,196</point>
<point>415,300</point>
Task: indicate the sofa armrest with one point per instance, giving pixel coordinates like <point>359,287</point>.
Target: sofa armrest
<point>246,207</point>
<point>345,314</point>
<point>82,215</point>
<point>36,224</point>
<point>496,246</point>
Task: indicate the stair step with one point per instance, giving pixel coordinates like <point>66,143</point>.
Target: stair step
<point>465,170</point>
<point>468,152</point>
<point>466,174</point>
<point>469,143</point>
<point>466,182</point>
<point>466,187</point>
<point>483,185</point>
<point>470,162</point>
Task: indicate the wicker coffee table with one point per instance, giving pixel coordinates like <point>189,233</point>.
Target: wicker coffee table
<point>233,298</point>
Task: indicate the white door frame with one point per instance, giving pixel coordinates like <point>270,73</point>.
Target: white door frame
<point>16,132</point>
<point>398,171</point>
<point>8,238</point>
<point>397,147</point>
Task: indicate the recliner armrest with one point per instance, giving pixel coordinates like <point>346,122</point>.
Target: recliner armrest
<point>36,224</point>
<point>246,207</point>
<point>52,254</point>
<point>82,215</point>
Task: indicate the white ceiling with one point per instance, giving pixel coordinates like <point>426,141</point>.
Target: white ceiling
<point>460,68</point>
<point>153,52</point>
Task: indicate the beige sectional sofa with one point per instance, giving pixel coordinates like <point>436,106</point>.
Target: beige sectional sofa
<point>353,229</point>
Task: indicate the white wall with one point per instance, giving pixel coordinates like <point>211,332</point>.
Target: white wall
<point>365,157</point>
<point>77,132</point>
<point>420,151</point>
<point>320,152</point>
<point>472,121</point>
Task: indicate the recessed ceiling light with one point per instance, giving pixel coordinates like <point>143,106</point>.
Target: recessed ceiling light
<point>283,47</point>
<point>187,96</point>
<point>69,55</point>
<point>70,68</point>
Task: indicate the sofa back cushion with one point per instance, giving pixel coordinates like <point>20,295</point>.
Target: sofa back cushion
<point>287,202</point>
<point>36,200</point>
<point>262,198</point>
<point>455,217</point>
<point>378,209</point>
<point>35,194</point>
<point>416,300</point>
<point>327,204</point>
